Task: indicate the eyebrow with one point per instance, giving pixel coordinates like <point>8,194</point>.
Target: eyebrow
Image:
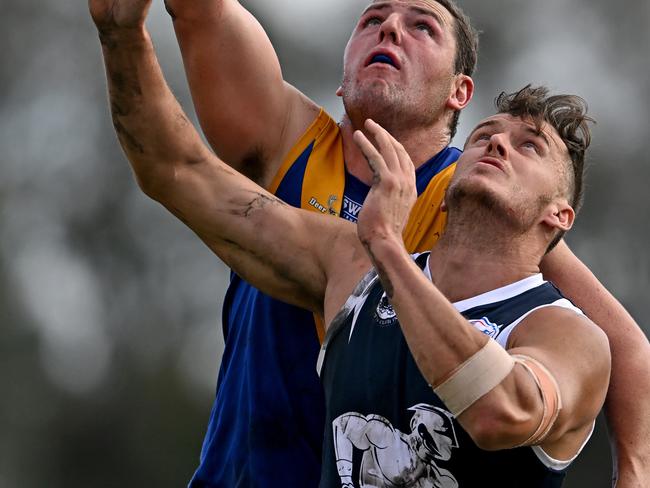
<point>430,13</point>
<point>487,123</point>
<point>540,134</point>
<point>375,6</point>
<point>413,8</point>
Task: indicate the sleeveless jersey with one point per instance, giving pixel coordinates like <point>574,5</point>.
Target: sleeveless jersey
<point>385,427</point>
<point>266,424</point>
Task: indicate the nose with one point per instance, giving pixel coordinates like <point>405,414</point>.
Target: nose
<point>391,28</point>
<point>497,146</point>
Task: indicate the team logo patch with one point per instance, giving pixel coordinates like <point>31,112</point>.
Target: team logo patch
<point>484,325</point>
<point>322,208</point>
<point>330,204</point>
<point>314,203</point>
<point>385,315</point>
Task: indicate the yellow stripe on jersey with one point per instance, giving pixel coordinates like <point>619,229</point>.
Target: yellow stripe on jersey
<point>427,220</point>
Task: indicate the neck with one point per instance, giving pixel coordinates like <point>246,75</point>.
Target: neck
<point>471,259</point>
<point>421,145</point>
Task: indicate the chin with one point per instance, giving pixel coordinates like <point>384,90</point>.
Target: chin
<point>476,202</point>
<point>370,90</point>
<point>369,94</point>
<point>475,196</point>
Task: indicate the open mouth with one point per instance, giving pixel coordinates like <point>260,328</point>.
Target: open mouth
<point>383,59</point>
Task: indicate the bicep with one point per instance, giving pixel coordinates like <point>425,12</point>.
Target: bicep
<point>576,353</point>
<point>237,85</point>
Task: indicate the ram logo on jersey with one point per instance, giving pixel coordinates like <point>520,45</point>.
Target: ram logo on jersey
<point>484,325</point>
<point>385,315</point>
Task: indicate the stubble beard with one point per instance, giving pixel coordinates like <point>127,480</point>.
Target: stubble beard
<point>393,107</point>
<point>480,213</point>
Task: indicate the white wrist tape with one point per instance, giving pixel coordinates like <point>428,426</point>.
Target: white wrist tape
<point>551,399</point>
<point>475,377</point>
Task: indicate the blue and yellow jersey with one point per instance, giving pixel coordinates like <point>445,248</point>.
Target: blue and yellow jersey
<point>326,185</point>
<point>266,424</point>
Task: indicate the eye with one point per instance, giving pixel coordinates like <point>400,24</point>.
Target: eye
<point>531,146</point>
<point>372,21</point>
<point>484,136</point>
<point>424,27</point>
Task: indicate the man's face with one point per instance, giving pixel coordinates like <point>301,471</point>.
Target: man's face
<point>399,62</point>
<point>510,166</point>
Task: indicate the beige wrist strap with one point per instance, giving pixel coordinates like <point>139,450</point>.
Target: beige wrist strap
<point>475,377</point>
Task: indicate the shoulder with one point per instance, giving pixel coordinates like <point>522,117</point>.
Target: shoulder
<point>567,327</point>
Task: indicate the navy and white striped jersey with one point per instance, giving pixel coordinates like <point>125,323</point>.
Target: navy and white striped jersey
<point>385,427</point>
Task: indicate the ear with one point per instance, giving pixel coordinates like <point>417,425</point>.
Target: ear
<point>463,91</point>
<point>560,216</point>
<point>339,91</point>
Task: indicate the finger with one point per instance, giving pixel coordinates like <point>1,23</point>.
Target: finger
<point>385,143</point>
<point>406,163</point>
<point>372,155</point>
<point>397,159</point>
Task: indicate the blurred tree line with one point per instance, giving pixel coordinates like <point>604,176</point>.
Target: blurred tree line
<point>110,309</point>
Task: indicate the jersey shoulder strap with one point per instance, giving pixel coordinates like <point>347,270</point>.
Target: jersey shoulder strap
<point>427,220</point>
<point>320,148</point>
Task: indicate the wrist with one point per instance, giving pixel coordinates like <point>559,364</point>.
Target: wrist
<point>118,36</point>
<point>384,246</point>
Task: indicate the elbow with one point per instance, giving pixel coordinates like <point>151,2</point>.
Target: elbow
<point>493,436</point>
<point>149,186</point>
<point>495,427</point>
<point>155,183</point>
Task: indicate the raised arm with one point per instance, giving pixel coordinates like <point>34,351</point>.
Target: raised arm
<point>573,349</point>
<point>278,248</point>
<point>511,410</point>
<point>237,86</point>
<point>628,399</point>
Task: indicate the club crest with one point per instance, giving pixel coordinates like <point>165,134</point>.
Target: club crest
<point>484,325</point>
<point>385,315</point>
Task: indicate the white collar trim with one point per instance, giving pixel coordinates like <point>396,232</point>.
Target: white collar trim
<point>497,295</point>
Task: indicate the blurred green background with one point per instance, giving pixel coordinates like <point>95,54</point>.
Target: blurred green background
<point>110,309</point>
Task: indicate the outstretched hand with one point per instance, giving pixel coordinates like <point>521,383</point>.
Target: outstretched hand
<point>118,14</point>
<point>387,207</point>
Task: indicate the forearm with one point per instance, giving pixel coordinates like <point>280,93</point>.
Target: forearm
<point>150,124</point>
<point>441,340</point>
<point>241,222</point>
<point>628,400</point>
<point>438,336</point>
<point>627,410</point>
